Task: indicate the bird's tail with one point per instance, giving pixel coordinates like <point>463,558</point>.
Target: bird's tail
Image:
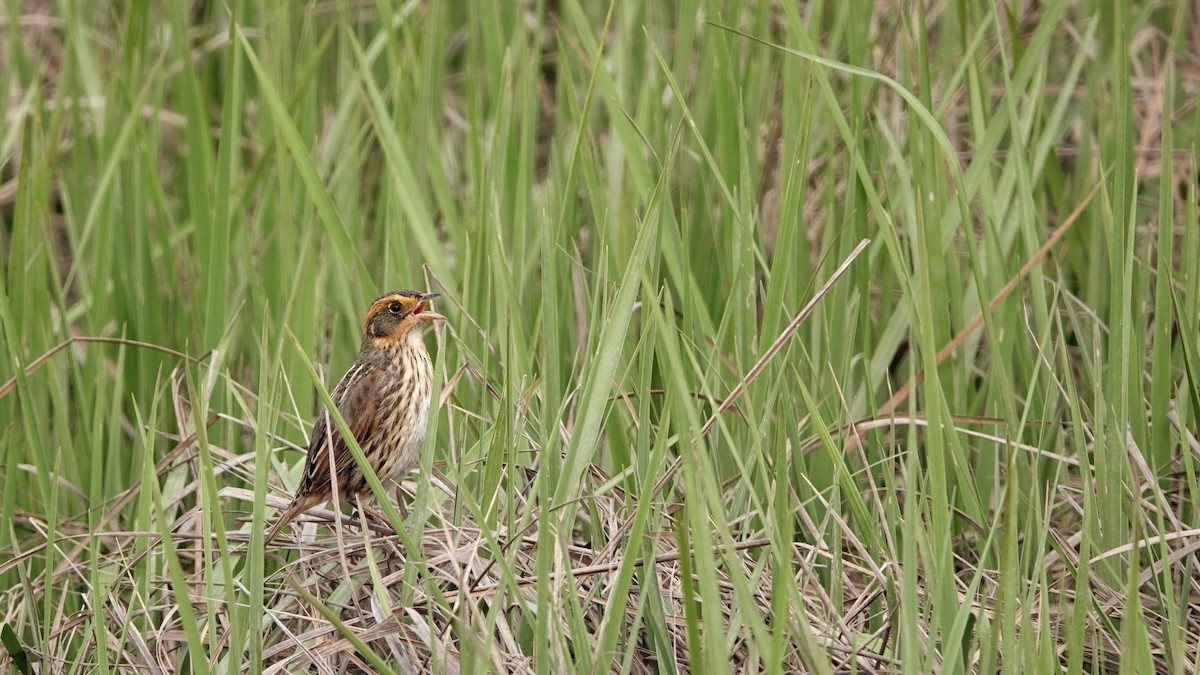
<point>299,505</point>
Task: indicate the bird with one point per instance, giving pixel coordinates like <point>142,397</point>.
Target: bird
<point>384,398</point>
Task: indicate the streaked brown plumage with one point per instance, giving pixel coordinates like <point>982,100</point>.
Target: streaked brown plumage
<point>384,397</point>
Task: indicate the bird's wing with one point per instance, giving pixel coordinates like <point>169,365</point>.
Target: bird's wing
<point>356,401</point>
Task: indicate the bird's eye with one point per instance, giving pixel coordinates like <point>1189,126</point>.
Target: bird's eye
<point>395,308</point>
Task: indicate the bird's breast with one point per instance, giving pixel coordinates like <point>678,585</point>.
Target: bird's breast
<point>410,376</point>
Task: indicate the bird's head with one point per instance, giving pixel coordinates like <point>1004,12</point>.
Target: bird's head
<point>397,316</point>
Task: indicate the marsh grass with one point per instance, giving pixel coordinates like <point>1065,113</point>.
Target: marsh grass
<point>976,453</point>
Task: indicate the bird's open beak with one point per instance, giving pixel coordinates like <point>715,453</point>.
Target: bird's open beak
<point>428,316</point>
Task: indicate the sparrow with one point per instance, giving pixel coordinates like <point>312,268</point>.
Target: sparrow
<point>384,398</point>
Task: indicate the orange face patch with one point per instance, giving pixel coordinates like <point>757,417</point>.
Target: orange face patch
<point>403,299</point>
